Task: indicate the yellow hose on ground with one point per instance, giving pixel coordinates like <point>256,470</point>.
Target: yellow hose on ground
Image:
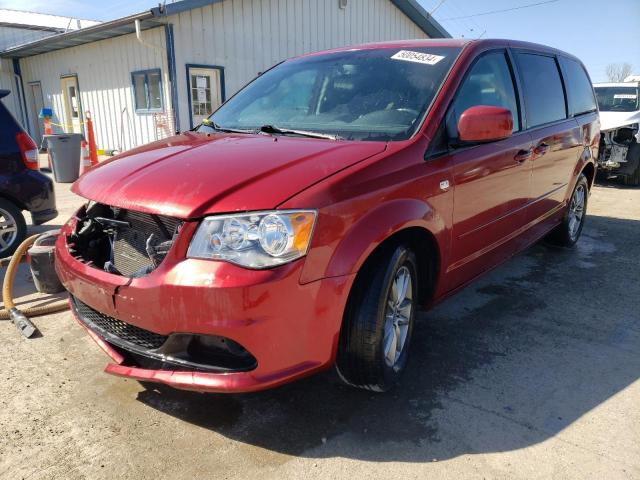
<point>10,312</point>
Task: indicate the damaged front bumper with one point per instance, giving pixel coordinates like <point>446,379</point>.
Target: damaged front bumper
<point>287,329</point>
<point>616,152</point>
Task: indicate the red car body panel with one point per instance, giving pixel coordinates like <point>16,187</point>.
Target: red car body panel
<point>479,206</point>
<point>412,198</point>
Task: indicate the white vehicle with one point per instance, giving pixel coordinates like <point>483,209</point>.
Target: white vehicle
<point>619,106</point>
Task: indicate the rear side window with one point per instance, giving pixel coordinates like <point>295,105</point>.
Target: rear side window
<point>488,82</point>
<point>579,91</point>
<point>543,92</point>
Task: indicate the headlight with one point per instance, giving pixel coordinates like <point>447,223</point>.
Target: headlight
<point>254,240</point>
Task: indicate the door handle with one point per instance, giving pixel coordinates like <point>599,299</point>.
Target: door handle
<point>541,149</point>
<point>522,155</point>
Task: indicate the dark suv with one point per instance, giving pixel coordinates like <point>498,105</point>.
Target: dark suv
<point>22,186</point>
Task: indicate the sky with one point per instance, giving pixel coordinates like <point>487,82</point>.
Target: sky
<point>598,32</point>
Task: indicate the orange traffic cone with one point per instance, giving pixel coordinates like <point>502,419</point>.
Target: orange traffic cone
<point>93,151</point>
<point>85,157</point>
<point>47,126</point>
<point>48,131</point>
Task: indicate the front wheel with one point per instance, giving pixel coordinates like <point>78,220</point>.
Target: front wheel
<point>378,324</point>
<point>568,232</point>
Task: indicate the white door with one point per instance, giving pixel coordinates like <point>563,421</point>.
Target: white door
<point>37,104</point>
<point>72,108</point>
<point>205,92</point>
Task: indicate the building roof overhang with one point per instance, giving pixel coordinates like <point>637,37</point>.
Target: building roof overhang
<point>156,17</point>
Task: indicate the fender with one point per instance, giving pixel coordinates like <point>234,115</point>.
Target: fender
<point>590,130</point>
<point>586,158</point>
<point>10,198</point>
<point>356,241</point>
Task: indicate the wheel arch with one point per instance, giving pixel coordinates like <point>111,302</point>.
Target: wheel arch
<point>423,244</point>
<point>19,205</point>
<point>586,165</point>
<point>412,221</point>
<point>589,171</point>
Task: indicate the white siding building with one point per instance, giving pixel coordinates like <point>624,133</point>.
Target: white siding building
<point>18,28</point>
<point>143,77</point>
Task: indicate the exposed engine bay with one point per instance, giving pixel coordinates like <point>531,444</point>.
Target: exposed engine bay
<point>120,241</point>
<point>614,146</point>
<point>619,154</point>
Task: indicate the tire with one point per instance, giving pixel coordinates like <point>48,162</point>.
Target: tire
<point>633,179</point>
<point>13,228</point>
<point>361,360</point>
<point>568,232</point>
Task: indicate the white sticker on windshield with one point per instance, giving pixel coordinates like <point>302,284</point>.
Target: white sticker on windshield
<point>625,95</point>
<point>417,57</point>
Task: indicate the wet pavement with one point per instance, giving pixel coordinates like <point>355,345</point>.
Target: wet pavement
<point>531,372</point>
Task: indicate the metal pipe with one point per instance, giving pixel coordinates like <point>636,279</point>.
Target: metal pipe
<point>139,37</point>
<point>19,96</point>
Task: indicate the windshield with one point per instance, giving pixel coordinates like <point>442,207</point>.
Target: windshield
<point>377,94</point>
<point>617,99</point>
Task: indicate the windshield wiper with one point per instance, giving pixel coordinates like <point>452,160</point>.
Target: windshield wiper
<point>289,131</point>
<point>211,124</point>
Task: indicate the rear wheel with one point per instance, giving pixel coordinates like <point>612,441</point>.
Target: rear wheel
<point>13,228</point>
<point>378,323</point>
<point>568,232</point>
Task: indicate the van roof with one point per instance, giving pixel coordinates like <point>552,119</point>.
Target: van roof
<point>448,42</point>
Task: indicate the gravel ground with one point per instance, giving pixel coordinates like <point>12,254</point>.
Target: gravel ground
<point>531,372</point>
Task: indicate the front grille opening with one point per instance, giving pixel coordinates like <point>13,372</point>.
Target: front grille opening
<point>120,241</point>
<point>109,328</point>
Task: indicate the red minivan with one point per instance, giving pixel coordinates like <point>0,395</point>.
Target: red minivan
<point>303,224</point>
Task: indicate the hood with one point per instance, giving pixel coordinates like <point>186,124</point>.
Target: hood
<point>611,120</point>
<point>194,174</point>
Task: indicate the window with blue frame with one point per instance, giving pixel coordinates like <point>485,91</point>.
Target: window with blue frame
<point>147,90</point>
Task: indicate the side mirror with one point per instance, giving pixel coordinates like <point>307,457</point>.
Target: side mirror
<point>484,123</point>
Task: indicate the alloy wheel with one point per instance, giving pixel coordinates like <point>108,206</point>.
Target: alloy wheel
<point>397,316</point>
<point>8,230</point>
<point>576,211</point>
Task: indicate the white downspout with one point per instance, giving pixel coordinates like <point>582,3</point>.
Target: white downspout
<point>146,44</point>
<point>152,46</point>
